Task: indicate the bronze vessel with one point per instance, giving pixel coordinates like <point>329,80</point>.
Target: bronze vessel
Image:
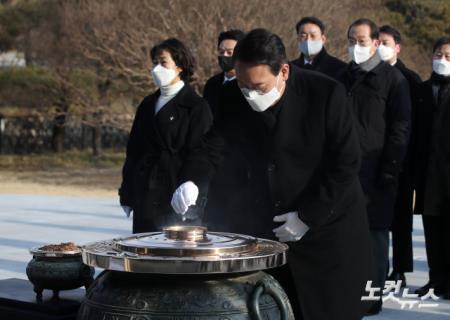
<point>58,270</point>
<point>185,272</point>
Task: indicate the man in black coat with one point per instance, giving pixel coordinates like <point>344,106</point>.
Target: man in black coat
<point>297,136</point>
<point>225,46</point>
<point>402,224</point>
<point>432,174</point>
<point>224,190</point>
<point>313,56</point>
<point>379,97</point>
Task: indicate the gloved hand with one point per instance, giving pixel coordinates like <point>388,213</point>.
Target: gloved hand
<point>292,230</point>
<point>127,210</point>
<point>186,195</point>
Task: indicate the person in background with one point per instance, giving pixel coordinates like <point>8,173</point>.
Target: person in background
<point>225,190</point>
<point>168,125</point>
<point>298,139</point>
<point>380,100</point>
<point>313,56</point>
<point>402,224</point>
<point>225,46</point>
<point>433,169</point>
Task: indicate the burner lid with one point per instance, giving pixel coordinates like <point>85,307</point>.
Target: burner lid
<point>185,250</point>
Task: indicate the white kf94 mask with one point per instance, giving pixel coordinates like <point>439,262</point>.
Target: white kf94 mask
<point>386,53</point>
<point>310,47</point>
<point>441,66</point>
<point>163,76</point>
<point>359,54</point>
<point>261,101</point>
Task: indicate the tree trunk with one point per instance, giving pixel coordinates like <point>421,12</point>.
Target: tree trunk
<point>58,134</point>
<point>2,129</point>
<point>84,143</point>
<point>97,140</point>
<point>60,120</point>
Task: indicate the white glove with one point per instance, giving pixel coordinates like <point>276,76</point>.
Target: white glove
<point>127,210</point>
<point>292,230</point>
<point>186,195</point>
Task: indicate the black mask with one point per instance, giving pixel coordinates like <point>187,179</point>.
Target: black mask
<point>226,63</point>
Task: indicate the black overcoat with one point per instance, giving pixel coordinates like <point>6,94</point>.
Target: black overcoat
<point>405,192</point>
<point>302,154</point>
<point>428,109</point>
<point>228,186</point>
<point>159,153</point>
<point>381,104</point>
<point>323,63</point>
<point>212,89</point>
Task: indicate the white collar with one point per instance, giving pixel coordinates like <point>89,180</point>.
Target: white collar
<point>310,61</point>
<point>225,78</point>
<point>172,89</point>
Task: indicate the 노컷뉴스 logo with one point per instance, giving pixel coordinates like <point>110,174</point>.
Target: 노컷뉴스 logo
<point>391,292</point>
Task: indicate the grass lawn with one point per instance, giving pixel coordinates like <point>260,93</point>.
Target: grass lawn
<point>70,172</point>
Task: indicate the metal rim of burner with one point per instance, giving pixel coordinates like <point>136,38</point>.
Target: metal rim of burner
<point>37,252</point>
<point>158,252</point>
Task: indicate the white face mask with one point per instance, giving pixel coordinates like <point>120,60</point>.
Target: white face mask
<point>310,47</point>
<point>163,76</point>
<point>359,54</point>
<point>261,101</point>
<point>386,53</point>
<point>441,66</point>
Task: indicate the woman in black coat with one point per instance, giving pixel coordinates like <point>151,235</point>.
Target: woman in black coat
<point>433,169</point>
<point>168,125</point>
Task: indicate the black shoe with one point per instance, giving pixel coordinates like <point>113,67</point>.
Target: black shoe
<point>439,289</point>
<point>397,276</point>
<point>446,294</point>
<point>375,308</point>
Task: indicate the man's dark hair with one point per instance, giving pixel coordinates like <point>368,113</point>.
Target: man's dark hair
<point>234,34</point>
<point>181,55</point>
<point>374,32</point>
<point>441,42</point>
<point>260,46</point>
<point>312,20</point>
<point>394,33</point>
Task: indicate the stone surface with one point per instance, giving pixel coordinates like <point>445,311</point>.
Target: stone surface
<point>27,221</point>
<point>18,301</point>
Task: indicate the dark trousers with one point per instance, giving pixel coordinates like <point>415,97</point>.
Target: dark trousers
<point>380,244</point>
<point>402,226</point>
<point>402,248</point>
<point>437,242</point>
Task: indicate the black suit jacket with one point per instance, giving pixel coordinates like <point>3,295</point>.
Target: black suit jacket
<point>323,63</point>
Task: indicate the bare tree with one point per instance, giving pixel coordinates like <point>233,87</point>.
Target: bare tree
<point>47,42</point>
<point>117,35</point>
<point>110,40</point>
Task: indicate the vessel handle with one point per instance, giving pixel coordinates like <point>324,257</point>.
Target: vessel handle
<point>262,287</point>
